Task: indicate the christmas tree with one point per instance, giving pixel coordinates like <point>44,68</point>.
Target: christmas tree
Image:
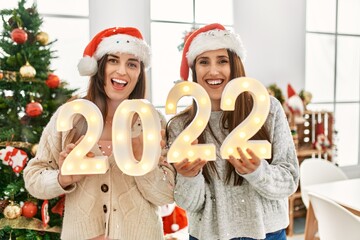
<point>29,95</point>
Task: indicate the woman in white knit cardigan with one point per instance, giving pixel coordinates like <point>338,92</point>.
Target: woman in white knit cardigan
<point>111,205</point>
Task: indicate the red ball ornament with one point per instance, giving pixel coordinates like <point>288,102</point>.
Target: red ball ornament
<point>29,209</point>
<point>33,109</point>
<point>19,36</point>
<point>52,81</point>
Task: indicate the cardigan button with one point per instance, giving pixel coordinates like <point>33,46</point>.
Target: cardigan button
<point>105,208</point>
<point>104,188</point>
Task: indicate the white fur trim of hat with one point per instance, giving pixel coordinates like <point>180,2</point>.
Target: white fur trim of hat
<point>213,40</point>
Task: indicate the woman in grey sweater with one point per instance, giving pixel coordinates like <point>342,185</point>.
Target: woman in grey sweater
<point>242,197</point>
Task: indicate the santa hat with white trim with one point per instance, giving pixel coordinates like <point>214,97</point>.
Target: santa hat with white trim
<point>113,40</point>
<point>210,37</point>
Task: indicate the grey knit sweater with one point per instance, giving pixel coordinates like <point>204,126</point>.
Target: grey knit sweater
<point>260,205</point>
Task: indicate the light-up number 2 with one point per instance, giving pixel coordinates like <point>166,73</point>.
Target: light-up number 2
<point>240,136</point>
<point>181,148</point>
<point>121,137</point>
<point>77,162</point>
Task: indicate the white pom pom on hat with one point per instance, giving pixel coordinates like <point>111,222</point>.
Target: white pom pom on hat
<point>210,37</point>
<point>113,40</point>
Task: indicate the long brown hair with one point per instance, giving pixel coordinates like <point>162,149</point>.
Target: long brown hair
<point>229,120</point>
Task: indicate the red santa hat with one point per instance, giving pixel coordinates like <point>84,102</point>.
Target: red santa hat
<point>210,37</point>
<point>113,40</point>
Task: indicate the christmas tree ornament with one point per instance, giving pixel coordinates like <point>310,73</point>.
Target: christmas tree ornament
<point>18,160</point>
<point>45,213</point>
<point>33,109</point>
<point>19,36</point>
<point>31,10</point>
<point>42,38</point>
<point>1,74</point>
<point>12,211</point>
<point>34,149</point>
<point>29,209</point>
<point>27,71</point>
<point>52,81</point>
<point>5,154</point>
<point>12,23</point>
<point>3,204</point>
<point>59,207</point>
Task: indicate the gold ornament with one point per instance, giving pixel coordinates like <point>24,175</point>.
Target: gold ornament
<point>12,211</point>
<point>42,38</point>
<point>27,71</point>
<point>34,149</point>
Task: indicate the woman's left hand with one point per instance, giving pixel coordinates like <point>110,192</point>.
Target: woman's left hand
<point>245,165</point>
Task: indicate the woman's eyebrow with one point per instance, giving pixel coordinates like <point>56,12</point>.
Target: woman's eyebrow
<point>134,59</point>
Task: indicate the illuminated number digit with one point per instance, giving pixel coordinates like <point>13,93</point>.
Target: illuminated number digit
<point>181,148</point>
<point>76,162</point>
<point>240,136</point>
<point>121,137</point>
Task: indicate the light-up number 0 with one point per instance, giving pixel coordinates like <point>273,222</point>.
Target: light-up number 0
<point>181,148</point>
<point>76,162</point>
<point>121,137</point>
<point>240,136</point>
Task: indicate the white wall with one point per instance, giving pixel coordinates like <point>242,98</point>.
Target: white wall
<point>120,13</point>
<point>273,33</point>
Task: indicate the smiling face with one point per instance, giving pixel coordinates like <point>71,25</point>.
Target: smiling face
<point>213,73</point>
<point>122,72</point>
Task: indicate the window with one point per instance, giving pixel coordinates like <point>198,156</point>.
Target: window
<point>333,69</point>
<point>70,26</point>
<point>170,20</point>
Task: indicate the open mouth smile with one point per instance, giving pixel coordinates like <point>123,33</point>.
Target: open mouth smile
<point>118,83</point>
<point>214,82</point>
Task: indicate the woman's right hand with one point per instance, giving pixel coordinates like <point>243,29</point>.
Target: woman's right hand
<point>67,180</point>
<point>190,169</point>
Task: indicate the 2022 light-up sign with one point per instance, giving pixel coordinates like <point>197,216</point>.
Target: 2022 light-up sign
<point>77,162</point>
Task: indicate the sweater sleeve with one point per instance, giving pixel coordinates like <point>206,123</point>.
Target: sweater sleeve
<point>280,178</point>
<point>157,186</point>
<point>189,192</point>
<point>41,173</point>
